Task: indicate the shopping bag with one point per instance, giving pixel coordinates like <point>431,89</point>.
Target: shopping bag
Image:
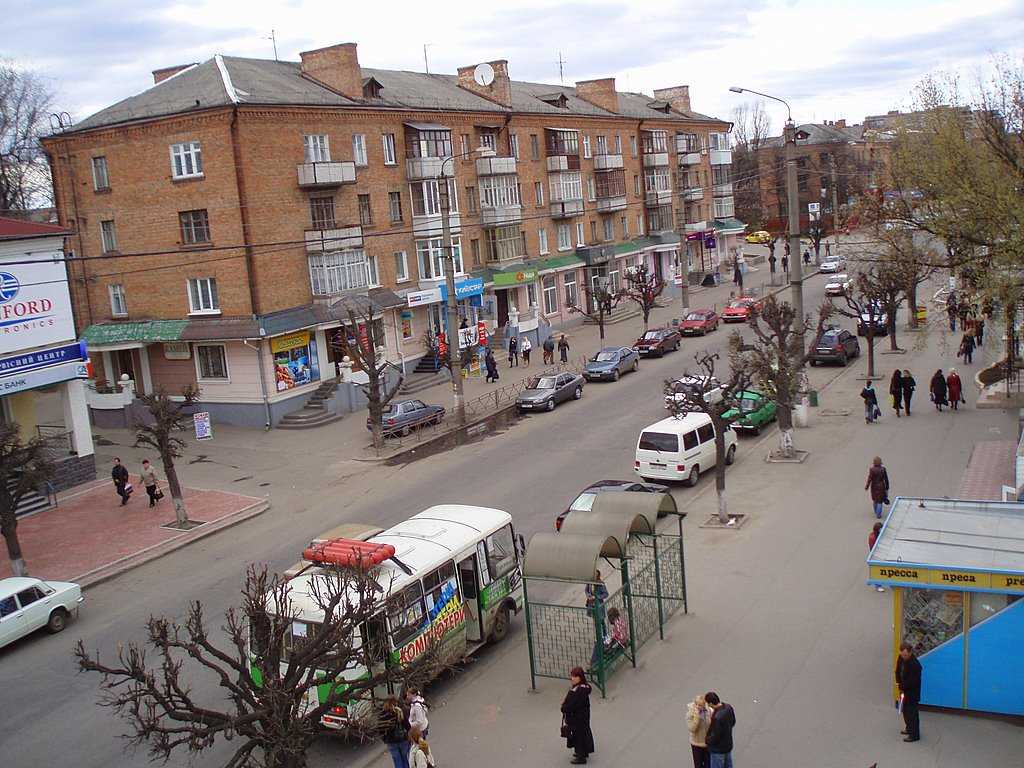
<point>159,495</point>
<point>128,488</point>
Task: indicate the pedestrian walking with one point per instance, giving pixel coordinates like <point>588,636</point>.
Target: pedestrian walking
<point>828,250</point>
<point>698,718</point>
<point>872,538</point>
<point>807,257</point>
<point>576,717</point>
<point>954,389</point>
<point>878,485</point>
<point>549,351</point>
<point>417,707</point>
<point>896,390</point>
<point>785,265</point>
<point>771,263</point>
<point>966,348</point>
<point>420,755</point>
<point>492,366</point>
<point>150,483</point>
<point>394,732</point>
<point>119,474</point>
<point>719,736</point>
<point>513,352</point>
<point>937,387</point>
<point>563,349</point>
<point>908,678</point>
<point>525,346</point>
<point>951,312</point>
<point>909,385</point>
<point>870,398</point>
<point>979,331</point>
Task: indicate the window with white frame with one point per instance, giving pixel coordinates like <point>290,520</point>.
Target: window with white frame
<point>489,140</point>
<point>602,145</point>
<point>430,256</point>
<point>464,144</point>
<point>427,202</point>
<point>504,243</point>
<point>719,140</point>
<point>724,207</point>
<point>359,148</point>
<point>566,186</point>
<point>657,180</point>
<point>639,223</point>
<point>550,295</point>
<point>186,160</point>
<point>513,145</point>
<point>211,362</point>
<point>338,271</point>
<point>721,174</point>
<point>100,177</point>
<point>591,189</point>
<point>636,184</point>
<point>317,147</point>
<point>564,237</point>
<point>118,305</point>
<point>538,193</point>
<point>632,145</point>
<point>586,146</point>
<point>387,141</point>
<point>625,227</point>
<point>655,141</point>
<point>395,206</point>
<point>569,281</point>
<point>401,267</point>
<point>202,296</point>
<point>499,191</point>
<point>108,236</point>
<point>580,238</point>
<point>618,144</point>
<point>542,240</point>
<point>531,294</point>
<point>609,228</point>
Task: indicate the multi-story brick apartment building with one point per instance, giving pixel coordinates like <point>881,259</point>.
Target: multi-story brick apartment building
<point>218,213</point>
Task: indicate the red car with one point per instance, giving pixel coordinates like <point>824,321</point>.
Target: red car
<point>657,341</point>
<point>699,322</point>
<point>739,309</point>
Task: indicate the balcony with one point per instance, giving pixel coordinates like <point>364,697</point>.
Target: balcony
<point>323,175</point>
<point>658,198</point>
<point>500,215</point>
<point>610,204</point>
<point>692,194</point>
<point>564,209</point>
<point>721,157</point>
<point>420,168</point>
<point>607,162</point>
<point>694,226</point>
<point>336,239</point>
<point>495,166</point>
<point>430,226</point>
<point>656,160</point>
<point>558,163</point>
<point>722,190</point>
<point>689,158</point>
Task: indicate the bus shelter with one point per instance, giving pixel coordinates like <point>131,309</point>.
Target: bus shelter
<point>956,569</point>
<point>571,630</point>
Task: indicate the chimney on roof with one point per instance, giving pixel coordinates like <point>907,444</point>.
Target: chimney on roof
<point>601,93</point>
<point>840,123</point>
<point>159,75</point>
<point>337,67</point>
<point>678,97</point>
<point>493,83</point>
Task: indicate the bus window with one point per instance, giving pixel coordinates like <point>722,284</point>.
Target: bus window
<point>438,587</point>
<point>481,559</point>
<point>375,640</point>
<point>501,552</point>
<point>406,613</point>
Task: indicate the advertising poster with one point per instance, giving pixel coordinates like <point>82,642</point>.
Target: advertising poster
<point>295,361</point>
<point>204,429</point>
<point>35,306</point>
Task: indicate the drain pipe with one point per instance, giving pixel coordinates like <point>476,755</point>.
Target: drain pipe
<point>263,380</point>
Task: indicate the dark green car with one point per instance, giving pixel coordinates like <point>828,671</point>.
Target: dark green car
<point>755,411</point>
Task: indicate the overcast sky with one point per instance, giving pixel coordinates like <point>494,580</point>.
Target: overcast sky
<point>829,58</point>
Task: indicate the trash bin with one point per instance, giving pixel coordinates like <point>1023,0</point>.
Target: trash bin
<point>922,314</point>
<point>812,398</point>
<point>800,415</point>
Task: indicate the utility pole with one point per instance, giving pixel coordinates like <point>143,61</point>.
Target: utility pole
<point>684,270</point>
<point>796,262</point>
<point>561,69</point>
<point>454,356</point>
<point>835,204</point>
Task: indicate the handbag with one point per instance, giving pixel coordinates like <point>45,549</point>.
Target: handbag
<point>565,729</point>
<point>128,488</point>
<point>159,495</point>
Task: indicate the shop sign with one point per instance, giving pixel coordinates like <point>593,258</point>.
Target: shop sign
<point>694,236</point>
<point>471,286</point>
<point>42,377</point>
<point>295,360</point>
<point>204,429</point>
<point>514,278</point>
<point>1013,582</point>
<point>944,578</point>
<point>419,298</point>
<point>481,332</point>
<point>177,350</point>
<point>42,358</point>
<point>35,306</point>
<point>709,241</point>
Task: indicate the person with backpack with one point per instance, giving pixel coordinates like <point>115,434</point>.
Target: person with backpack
<point>417,710</point>
<point>870,398</point>
<point>719,736</point>
<point>878,484</point>
<point>420,755</point>
<point>394,730</point>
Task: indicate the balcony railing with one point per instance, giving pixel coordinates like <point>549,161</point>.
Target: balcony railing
<point>563,209</point>
<point>327,174</point>
<point>558,163</point>
<point>689,158</point>
<point>430,226</point>
<point>722,190</point>
<point>691,194</point>
<point>658,198</point>
<point>721,157</point>
<point>609,204</point>
<point>495,166</point>
<point>655,160</point>
<point>336,239</point>
<point>607,162</point>
<point>500,215</point>
<point>692,226</point>
<point>418,168</point>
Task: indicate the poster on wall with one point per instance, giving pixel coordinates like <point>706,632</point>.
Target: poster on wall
<point>35,306</point>
<point>295,360</point>
<point>406,325</point>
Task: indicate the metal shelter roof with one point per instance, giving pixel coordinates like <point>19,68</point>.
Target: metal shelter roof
<point>572,557</point>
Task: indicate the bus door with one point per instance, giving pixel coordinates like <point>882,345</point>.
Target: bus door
<point>469,581</point>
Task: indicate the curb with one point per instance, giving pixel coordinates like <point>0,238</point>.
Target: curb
<point>135,559</point>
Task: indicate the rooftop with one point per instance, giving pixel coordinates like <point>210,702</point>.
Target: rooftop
<point>19,229</point>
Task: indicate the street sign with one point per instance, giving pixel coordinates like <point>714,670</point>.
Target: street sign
<point>204,430</point>
<point>814,207</point>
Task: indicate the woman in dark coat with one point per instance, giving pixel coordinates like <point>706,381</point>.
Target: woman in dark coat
<point>909,385</point>
<point>938,390</point>
<point>576,717</point>
<point>878,484</point>
<point>513,351</point>
<point>896,390</point>
<point>491,365</point>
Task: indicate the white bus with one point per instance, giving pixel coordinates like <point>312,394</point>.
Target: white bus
<point>455,578</point>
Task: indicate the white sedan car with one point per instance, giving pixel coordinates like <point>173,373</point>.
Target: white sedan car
<point>689,383</point>
<point>832,264</point>
<point>30,604</point>
<point>839,285</point>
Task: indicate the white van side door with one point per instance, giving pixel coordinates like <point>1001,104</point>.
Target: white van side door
<point>706,433</point>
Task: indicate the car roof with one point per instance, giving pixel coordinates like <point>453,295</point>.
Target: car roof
<point>15,584</point>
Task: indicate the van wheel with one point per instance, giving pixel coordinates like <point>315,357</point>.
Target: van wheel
<point>730,455</point>
<point>501,624</point>
<point>694,476</point>
<point>58,620</point>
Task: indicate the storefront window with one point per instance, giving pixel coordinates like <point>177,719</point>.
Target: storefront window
<point>931,617</point>
<point>295,360</point>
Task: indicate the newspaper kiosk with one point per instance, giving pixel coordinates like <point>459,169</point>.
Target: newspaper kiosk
<point>956,569</point>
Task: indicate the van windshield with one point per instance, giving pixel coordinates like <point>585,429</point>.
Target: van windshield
<point>659,441</point>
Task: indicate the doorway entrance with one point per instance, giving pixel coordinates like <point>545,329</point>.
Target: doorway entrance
<point>502,297</point>
<point>470,593</point>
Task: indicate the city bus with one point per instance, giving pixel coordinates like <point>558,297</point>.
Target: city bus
<point>454,578</point>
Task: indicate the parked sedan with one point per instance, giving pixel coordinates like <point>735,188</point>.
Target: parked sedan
<point>658,341</point>
<point>584,502</point>
<point>839,285</point>
<point>835,346</point>
<point>403,416</point>
<point>699,322</point>
<point>543,393</point>
<point>875,317</point>
<point>753,412</point>
<point>30,604</point>
<point>739,309</point>
<point>610,363</point>
<point>692,385</point>
<point>832,264</point>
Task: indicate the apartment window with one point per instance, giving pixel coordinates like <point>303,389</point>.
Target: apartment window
<point>531,294</point>
<point>489,140</point>
<point>359,148</point>
<point>430,256</point>
<point>639,223</point>
<point>426,200</point>
<point>387,141</point>
<point>538,193</point>
<point>118,305</point>
<point>499,191</point>
<point>655,141</point>
<point>580,239</point>
<point>611,184</point>
<point>317,148</point>
<point>365,212</point>
<point>657,180</point>
<point>471,199</point>
<point>632,145</point>
<point>624,221</point>
<point>593,231</point>
<point>602,145</point>
<point>202,296</point>
<point>321,212</point>
<point>723,207</point>
<point>636,184</point>
<point>719,141</point>
<point>100,178</point>
<point>474,250</point>
<point>464,144</point>
<point>618,144</point>
<point>569,281</point>
<point>542,241</point>
<point>564,237</point>
<point>108,236</point>
<point>562,143</point>
<point>586,146</point>
<point>534,147</point>
<point>550,288</point>
<point>395,206</point>
<point>513,145</point>
<point>195,227</point>
<point>504,243</point>
<point>212,362</point>
<point>339,271</point>
<point>401,267</point>
<point>186,160</point>
<point>591,192</point>
<point>687,142</point>
<point>566,186</point>
<point>609,228</point>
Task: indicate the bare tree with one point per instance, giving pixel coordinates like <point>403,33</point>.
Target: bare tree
<point>865,303</point>
<point>701,392</point>
<point>25,105</point>
<point>170,416</point>
<point>273,670</point>
<point>643,288</point>
<point>25,466</point>
<point>751,128</point>
<point>597,305</point>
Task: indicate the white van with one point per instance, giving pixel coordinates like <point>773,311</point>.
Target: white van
<point>680,448</point>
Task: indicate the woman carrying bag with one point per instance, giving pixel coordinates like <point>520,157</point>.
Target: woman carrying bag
<point>576,717</point>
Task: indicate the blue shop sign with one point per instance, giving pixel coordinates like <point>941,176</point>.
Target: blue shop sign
<point>43,358</point>
<point>470,286</point>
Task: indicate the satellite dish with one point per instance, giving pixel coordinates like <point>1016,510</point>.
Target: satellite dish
<point>483,74</point>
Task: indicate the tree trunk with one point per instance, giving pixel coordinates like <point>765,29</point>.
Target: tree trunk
<point>600,322</point>
<point>723,514</point>
<point>912,305</point>
<point>375,412</point>
<point>174,486</point>
<point>892,332</point>
<point>871,355</point>
<point>9,527</point>
<point>785,415</point>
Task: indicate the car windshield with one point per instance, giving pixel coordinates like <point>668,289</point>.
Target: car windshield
<point>584,502</point>
<point>542,382</point>
<point>829,339</point>
<point>749,404</point>
<point>652,335</point>
<point>738,304</point>
<point>607,355</point>
<point>695,316</point>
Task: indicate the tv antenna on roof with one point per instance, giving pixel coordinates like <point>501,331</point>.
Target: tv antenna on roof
<point>561,71</point>
<point>273,39</point>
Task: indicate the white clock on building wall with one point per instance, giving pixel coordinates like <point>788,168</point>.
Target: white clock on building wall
<point>483,74</point>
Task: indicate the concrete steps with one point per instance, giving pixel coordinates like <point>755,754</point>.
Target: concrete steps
<point>30,502</point>
<point>618,315</point>
<point>418,382</point>
<point>314,413</point>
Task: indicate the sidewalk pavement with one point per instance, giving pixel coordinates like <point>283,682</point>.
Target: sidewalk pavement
<point>90,537</point>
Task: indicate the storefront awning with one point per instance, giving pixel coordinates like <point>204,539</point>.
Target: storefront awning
<point>557,263</point>
<point>102,335</point>
<point>221,329</point>
<point>728,225</point>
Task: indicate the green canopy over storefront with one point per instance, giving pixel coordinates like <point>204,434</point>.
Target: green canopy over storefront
<point>107,334</point>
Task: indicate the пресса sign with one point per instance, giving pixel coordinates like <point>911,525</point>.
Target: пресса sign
<point>35,306</point>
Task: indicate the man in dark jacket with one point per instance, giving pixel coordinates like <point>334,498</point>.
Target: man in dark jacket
<point>719,736</point>
<point>120,477</point>
<point>908,678</point>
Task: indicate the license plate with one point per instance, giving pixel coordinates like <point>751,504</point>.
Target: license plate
<point>656,464</point>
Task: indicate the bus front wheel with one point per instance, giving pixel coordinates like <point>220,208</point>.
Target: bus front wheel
<point>501,624</point>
